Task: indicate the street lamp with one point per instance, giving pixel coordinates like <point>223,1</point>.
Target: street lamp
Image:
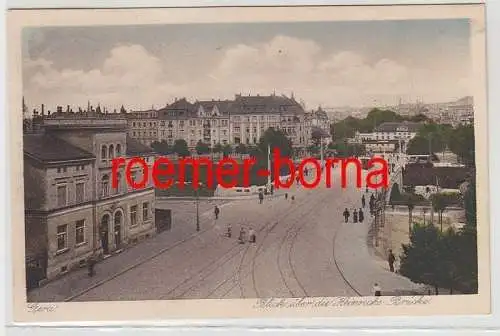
<point>198,207</point>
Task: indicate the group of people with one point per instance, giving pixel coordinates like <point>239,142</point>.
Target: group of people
<point>357,215</point>
<point>242,235</point>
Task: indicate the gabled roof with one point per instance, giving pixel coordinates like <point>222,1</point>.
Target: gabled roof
<point>47,148</point>
<point>393,126</point>
<point>266,104</point>
<point>134,147</point>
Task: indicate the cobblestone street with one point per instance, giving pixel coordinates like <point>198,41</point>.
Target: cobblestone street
<point>303,248</point>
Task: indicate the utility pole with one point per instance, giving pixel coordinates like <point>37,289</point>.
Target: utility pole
<point>197,209</point>
<point>269,166</point>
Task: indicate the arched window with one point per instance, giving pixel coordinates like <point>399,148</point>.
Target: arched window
<point>105,185</point>
<point>111,151</point>
<point>118,150</point>
<point>104,152</point>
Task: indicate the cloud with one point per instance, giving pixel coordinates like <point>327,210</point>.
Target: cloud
<point>135,77</point>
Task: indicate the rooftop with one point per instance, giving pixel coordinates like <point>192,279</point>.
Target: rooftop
<point>134,147</point>
<point>394,126</point>
<point>48,148</point>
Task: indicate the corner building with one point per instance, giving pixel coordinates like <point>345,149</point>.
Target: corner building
<point>72,211</point>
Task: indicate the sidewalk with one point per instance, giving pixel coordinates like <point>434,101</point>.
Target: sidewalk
<point>360,267</point>
<point>77,281</point>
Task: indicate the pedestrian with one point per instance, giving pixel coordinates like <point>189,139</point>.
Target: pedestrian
<point>272,189</point>
<point>377,291</point>
<point>286,196</point>
<point>293,198</point>
<point>363,201</point>
<point>346,215</point>
<point>391,259</point>
<point>251,235</point>
<point>361,216</point>
<point>229,230</point>
<point>216,212</point>
<point>91,265</point>
<point>241,237</point>
<point>261,197</point>
<point>354,216</point>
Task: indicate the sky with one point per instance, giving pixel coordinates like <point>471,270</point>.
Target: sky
<point>327,64</point>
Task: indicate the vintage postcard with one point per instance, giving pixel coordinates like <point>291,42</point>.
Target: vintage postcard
<point>248,162</point>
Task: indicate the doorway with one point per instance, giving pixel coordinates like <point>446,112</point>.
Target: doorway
<point>117,226</point>
<point>105,234</point>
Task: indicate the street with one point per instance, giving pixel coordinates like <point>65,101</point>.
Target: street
<point>292,257</point>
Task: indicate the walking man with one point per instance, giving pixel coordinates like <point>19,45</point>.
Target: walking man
<point>361,216</point>
<point>216,212</point>
<point>286,196</point>
<point>261,197</point>
<point>363,201</point>
<point>346,215</point>
<point>355,216</point>
<point>391,259</point>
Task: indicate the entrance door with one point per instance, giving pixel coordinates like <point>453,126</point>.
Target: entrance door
<point>118,231</point>
<point>105,234</point>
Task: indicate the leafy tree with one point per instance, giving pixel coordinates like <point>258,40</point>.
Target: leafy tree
<point>420,260</point>
<point>255,152</point>
<point>241,149</point>
<point>227,150</point>
<point>440,201</point>
<point>202,148</point>
<point>395,194</point>
<point>217,148</point>
<point>410,200</point>
<point>161,147</point>
<point>462,143</point>
<point>181,148</point>
<point>275,139</point>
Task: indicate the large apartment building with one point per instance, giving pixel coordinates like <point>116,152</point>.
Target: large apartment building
<point>240,121</point>
<point>72,210</point>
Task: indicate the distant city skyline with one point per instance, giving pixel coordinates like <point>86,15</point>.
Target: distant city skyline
<point>327,64</point>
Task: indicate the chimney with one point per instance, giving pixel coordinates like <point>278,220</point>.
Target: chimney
<point>43,110</point>
<point>68,109</point>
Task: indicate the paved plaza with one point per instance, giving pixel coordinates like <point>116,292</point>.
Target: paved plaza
<point>303,248</point>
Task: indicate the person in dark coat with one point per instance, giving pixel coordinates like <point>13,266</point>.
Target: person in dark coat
<point>391,259</point>
<point>355,216</point>
<point>91,265</point>
<point>241,237</point>
<point>286,196</point>
<point>216,212</point>
<point>363,201</point>
<point>361,216</point>
<point>346,215</point>
<point>261,197</point>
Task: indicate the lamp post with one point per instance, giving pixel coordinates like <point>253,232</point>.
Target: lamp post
<point>198,208</point>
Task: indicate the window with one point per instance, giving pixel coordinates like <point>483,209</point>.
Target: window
<point>145,211</point>
<point>133,215</point>
<point>104,152</point>
<point>105,185</point>
<point>80,192</point>
<point>62,241</point>
<point>80,232</point>
<point>111,153</point>
<point>61,196</point>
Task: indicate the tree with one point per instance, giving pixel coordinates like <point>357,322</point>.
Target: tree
<point>227,150</point>
<point>181,148</point>
<point>161,147</point>
<point>241,149</point>
<point>410,200</point>
<point>202,148</point>
<point>217,148</point>
<point>420,260</point>
<point>440,201</point>
<point>255,152</point>
<point>462,143</point>
<point>395,194</point>
<point>275,139</point>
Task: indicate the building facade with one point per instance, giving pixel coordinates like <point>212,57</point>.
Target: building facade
<point>226,122</point>
<point>389,135</point>
<point>72,210</point>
